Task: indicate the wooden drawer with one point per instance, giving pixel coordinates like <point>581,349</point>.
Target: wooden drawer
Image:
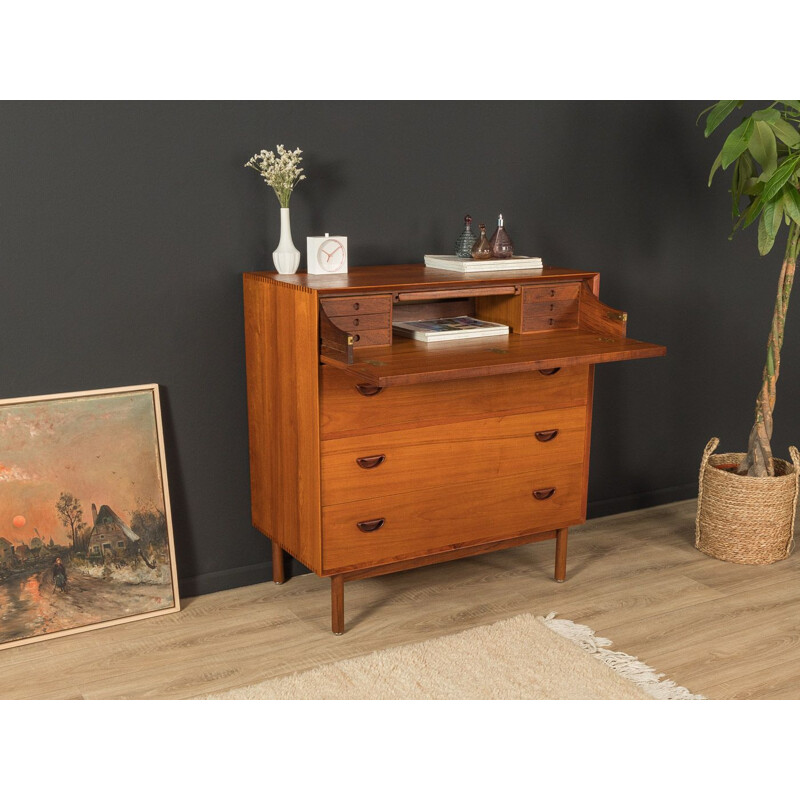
<point>372,338</point>
<point>550,315</point>
<point>555,291</point>
<point>433,520</point>
<point>382,464</point>
<point>367,304</point>
<point>361,322</point>
<point>344,411</point>
<point>368,330</point>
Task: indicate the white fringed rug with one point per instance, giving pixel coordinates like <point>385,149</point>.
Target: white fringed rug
<point>522,658</point>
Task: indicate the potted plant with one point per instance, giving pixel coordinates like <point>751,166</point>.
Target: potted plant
<point>747,501</point>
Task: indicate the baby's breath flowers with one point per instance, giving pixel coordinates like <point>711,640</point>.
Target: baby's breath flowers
<point>281,170</point>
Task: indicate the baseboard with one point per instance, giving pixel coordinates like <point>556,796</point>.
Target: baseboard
<point>234,578</point>
<point>259,573</point>
<point>634,502</point>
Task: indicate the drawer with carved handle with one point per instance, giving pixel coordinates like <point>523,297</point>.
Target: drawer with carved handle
<point>383,529</point>
<point>392,462</point>
<point>349,406</point>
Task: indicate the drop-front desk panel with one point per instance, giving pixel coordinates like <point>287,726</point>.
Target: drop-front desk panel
<point>371,453</point>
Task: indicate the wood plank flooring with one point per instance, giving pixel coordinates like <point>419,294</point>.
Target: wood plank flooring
<point>723,630</point>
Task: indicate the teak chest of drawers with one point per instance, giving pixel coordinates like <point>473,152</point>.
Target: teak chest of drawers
<point>371,454</point>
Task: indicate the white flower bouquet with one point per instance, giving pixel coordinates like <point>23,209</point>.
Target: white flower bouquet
<point>281,170</point>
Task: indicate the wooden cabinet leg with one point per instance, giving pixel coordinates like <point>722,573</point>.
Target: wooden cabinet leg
<point>561,554</point>
<point>278,575</point>
<point>337,604</point>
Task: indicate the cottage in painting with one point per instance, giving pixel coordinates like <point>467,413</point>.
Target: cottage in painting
<point>6,552</point>
<point>110,537</point>
<point>22,552</point>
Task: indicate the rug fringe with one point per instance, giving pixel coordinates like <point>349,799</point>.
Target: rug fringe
<point>628,666</point>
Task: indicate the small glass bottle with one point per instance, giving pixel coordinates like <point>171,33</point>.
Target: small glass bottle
<point>482,249</point>
<point>502,246</point>
<point>466,239</point>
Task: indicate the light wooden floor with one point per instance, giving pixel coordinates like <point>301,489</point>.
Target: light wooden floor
<point>723,630</point>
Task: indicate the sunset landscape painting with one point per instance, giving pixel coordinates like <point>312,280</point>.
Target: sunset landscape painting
<point>85,526</point>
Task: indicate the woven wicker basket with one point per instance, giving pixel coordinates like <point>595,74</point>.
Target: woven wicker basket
<point>742,519</point>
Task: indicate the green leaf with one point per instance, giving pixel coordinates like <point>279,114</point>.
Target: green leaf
<point>719,114</point>
<point>766,114</point>
<point>791,202</point>
<point>753,210</point>
<point>795,104</point>
<point>785,132</point>
<point>737,142</point>
<point>764,147</point>
<point>742,173</point>
<point>780,177</point>
<point>714,167</point>
<point>769,225</point>
<point>752,186</point>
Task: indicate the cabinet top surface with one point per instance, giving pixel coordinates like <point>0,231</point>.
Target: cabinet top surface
<point>408,276</point>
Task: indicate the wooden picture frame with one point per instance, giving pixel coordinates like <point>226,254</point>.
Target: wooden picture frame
<point>86,538</point>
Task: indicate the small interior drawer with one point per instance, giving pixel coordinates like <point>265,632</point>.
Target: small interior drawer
<point>550,315</point>
<point>371,338</point>
<point>347,306</point>
<point>555,291</point>
<point>361,322</point>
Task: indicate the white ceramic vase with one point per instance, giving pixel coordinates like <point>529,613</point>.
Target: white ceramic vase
<point>286,257</point>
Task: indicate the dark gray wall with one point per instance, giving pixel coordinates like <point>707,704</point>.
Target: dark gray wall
<point>125,227</point>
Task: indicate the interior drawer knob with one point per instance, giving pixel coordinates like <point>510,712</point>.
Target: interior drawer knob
<point>370,462</point>
<point>544,494</point>
<point>550,371</point>
<point>370,525</point>
<point>546,436</point>
<point>368,389</point>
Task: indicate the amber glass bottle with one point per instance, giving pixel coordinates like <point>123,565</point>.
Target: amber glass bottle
<point>482,249</point>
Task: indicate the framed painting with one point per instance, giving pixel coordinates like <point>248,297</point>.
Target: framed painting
<point>85,525</point>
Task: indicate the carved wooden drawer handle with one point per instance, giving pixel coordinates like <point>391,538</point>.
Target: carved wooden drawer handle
<point>546,436</point>
<point>550,371</point>
<point>356,322</point>
<point>544,494</point>
<point>370,462</point>
<point>368,389</point>
<point>356,337</point>
<point>370,525</point>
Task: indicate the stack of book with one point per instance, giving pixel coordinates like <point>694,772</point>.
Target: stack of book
<point>458,264</point>
<point>439,330</point>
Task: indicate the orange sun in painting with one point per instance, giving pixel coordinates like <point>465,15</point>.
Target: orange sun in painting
<point>18,521</point>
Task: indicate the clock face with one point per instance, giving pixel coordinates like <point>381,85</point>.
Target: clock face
<point>331,255</point>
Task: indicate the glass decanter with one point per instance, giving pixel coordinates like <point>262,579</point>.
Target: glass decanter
<point>482,249</point>
<point>466,239</point>
<point>502,246</point>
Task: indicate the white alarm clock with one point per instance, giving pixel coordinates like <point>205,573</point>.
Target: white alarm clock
<point>327,255</point>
